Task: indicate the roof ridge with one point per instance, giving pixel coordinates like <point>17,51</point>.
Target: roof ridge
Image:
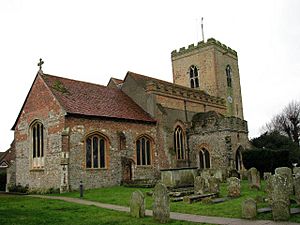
<point>152,78</point>
<point>86,82</point>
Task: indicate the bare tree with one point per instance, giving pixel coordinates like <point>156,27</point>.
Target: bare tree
<point>287,122</point>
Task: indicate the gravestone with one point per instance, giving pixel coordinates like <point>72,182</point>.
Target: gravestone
<point>161,204</point>
<point>279,196</point>
<point>234,187</point>
<point>219,174</point>
<point>254,178</point>
<point>213,185</point>
<point>285,171</point>
<point>296,170</point>
<point>280,210</point>
<point>267,175</point>
<point>297,188</point>
<point>249,209</point>
<point>137,204</point>
<point>200,186</point>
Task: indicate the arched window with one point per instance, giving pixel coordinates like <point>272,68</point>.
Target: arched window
<point>204,159</point>
<point>143,151</point>
<point>229,76</point>
<point>37,130</point>
<point>238,159</point>
<point>194,76</point>
<point>179,143</point>
<point>95,146</point>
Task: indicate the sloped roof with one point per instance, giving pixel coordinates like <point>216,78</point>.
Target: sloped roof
<point>142,79</point>
<point>88,99</point>
<point>116,81</point>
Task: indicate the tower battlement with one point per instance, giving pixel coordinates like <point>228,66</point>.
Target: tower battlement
<point>202,44</point>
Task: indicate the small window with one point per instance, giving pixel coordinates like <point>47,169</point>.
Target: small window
<point>122,140</point>
<point>38,145</point>
<point>229,76</point>
<point>204,159</point>
<point>143,151</point>
<point>179,143</point>
<point>194,76</point>
<point>95,152</point>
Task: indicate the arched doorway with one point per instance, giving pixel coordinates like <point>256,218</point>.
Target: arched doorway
<point>127,170</point>
<point>238,159</point>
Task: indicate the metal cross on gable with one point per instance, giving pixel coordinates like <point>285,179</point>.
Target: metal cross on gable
<point>40,64</point>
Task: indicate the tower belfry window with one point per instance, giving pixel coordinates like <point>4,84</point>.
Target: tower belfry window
<point>194,76</point>
<point>229,76</point>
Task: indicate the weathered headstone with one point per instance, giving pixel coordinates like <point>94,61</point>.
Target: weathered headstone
<point>200,185</point>
<point>279,196</point>
<point>249,209</point>
<point>297,188</point>
<point>213,185</point>
<point>285,171</point>
<point>280,210</point>
<point>218,173</point>
<point>137,204</point>
<point>267,175</point>
<point>161,204</point>
<point>234,187</point>
<point>243,174</point>
<point>254,178</point>
<point>205,174</point>
<point>296,170</point>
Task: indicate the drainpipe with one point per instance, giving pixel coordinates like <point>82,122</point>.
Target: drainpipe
<point>187,134</point>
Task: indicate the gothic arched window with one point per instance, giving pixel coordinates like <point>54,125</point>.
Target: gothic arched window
<point>194,76</point>
<point>179,142</point>
<point>95,146</point>
<point>229,76</point>
<point>238,159</point>
<point>143,151</point>
<point>204,159</point>
<point>37,130</point>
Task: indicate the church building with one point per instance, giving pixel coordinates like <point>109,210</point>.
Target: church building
<point>70,131</point>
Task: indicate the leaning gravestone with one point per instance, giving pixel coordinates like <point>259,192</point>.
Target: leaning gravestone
<point>297,188</point>
<point>234,187</point>
<point>267,175</point>
<point>213,185</point>
<point>285,171</point>
<point>254,178</point>
<point>161,204</point>
<point>279,196</point>
<point>249,209</point>
<point>199,185</point>
<point>137,204</point>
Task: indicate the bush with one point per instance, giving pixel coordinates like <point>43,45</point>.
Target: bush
<point>18,188</point>
<point>266,160</point>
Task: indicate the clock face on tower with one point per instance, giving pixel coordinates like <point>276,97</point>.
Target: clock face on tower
<point>229,99</point>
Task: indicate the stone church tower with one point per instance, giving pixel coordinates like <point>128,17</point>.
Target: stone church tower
<point>211,67</point>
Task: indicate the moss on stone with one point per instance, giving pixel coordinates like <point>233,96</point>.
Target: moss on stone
<point>58,86</point>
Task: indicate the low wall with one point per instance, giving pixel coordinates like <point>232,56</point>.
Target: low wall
<point>180,177</point>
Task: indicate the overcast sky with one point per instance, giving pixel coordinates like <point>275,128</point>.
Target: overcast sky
<point>94,40</point>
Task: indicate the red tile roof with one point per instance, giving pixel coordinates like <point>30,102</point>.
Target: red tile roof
<point>88,99</point>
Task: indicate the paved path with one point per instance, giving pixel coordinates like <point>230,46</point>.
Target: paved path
<point>173,215</point>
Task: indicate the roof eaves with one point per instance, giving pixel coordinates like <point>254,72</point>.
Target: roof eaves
<point>152,121</point>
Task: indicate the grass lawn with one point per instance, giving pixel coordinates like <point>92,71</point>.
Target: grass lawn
<point>231,208</point>
<point>23,210</point>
